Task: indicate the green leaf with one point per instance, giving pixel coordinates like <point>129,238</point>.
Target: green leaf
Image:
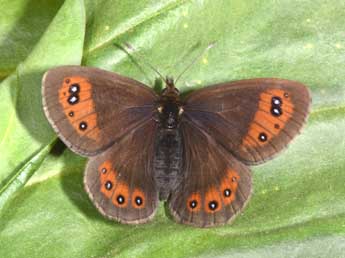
<point>23,127</point>
<point>22,24</point>
<point>23,175</point>
<point>298,205</point>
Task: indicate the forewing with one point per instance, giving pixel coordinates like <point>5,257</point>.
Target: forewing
<point>120,180</point>
<point>253,119</point>
<point>91,108</point>
<point>216,186</point>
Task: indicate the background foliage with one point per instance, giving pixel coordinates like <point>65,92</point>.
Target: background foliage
<point>298,206</point>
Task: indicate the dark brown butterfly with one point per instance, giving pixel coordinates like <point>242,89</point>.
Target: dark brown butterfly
<point>191,152</point>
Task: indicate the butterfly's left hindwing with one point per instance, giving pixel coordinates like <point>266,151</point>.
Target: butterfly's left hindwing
<point>120,180</point>
<point>216,186</point>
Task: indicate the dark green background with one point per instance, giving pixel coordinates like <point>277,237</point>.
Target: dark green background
<point>298,205</point>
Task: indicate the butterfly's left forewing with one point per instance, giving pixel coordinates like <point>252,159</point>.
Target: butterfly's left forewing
<point>216,186</point>
<point>252,119</point>
<point>120,180</point>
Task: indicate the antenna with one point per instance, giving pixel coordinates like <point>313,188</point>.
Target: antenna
<point>130,47</point>
<point>211,45</point>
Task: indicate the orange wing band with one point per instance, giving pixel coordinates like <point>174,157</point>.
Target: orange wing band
<point>274,110</point>
<point>76,100</point>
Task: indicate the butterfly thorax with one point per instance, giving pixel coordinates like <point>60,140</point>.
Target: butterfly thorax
<point>169,107</point>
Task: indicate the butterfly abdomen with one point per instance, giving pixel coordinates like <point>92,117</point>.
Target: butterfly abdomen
<point>167,161</point>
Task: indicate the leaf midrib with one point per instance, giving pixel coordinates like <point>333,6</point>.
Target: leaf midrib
<point>146,19</point>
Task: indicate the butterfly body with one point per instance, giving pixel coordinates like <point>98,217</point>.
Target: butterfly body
<point>168,161</point>
<point>168,156</point>
<point>191,152</point>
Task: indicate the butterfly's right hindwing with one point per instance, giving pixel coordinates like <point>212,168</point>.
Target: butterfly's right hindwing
<point>120,181</point>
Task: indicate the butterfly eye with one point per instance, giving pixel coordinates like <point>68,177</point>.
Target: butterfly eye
<point>180,111</point>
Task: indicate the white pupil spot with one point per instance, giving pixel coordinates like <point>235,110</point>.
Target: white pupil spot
<point>108,185</point>
<point>138,201</point>
<point>276,101</point>
<point>263,137</point>
<point>73,99</point>
<point>74,89</point>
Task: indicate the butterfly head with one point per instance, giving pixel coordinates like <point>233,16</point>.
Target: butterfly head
<point>170,89</point>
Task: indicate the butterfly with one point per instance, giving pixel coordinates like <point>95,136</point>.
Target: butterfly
<point>192,152</point>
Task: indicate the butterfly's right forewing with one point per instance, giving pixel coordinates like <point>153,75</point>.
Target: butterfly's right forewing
<point>91,108</point>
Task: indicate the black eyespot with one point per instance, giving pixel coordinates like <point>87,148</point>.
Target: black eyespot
<point>71,113</point>
<point>262,137</point>
<point>138,200</point>
<point>276,126</point>
<point>213,205</point>
<point>108,185</point>
<point>276,111</point>
<point>83,126</point>
<point>193,204</point>
<point>104,170</point>
<point>67,80</point>
<point>227,192</point>
<point>74,88</point>
<point>120,199</point>
<point>276,101</point>
<point>73,99</point>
